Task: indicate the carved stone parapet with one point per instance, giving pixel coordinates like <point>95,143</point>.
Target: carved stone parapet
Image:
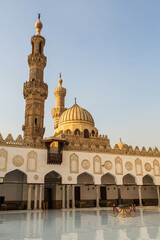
<point>20,142</point>
<point>60,91</point>
<point>34,88</point>
<point>40,61</point>
<point>97,145</point>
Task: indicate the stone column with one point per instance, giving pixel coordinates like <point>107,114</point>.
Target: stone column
<point>140,196</point>
<point>35,196</point>
<point>119,195</point>
<point>158,195</point>
<point>73,196</point>
<point>97,196</point>
<point>68,188</point>
<point>63,196</point>
<point>40,196</point>
<point>29,197</point>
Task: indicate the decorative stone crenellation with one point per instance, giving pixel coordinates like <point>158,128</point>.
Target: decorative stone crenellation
<point>20,142</point>
<point>101,144</point>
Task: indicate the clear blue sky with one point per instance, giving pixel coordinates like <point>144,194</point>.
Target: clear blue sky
<point>108,52</point>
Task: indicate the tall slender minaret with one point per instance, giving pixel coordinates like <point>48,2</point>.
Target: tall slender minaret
<point>59,108</point>
<point>35,90</point>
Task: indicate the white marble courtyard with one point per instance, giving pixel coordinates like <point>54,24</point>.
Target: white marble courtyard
<point>79,224</point>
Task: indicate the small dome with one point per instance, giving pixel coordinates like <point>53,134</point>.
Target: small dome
<point>38,25</point>
<point>76,113</point>
<point>121,145</point>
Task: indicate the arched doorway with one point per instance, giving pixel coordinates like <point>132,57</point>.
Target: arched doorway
<point>108,191</point>
<point>129,190</point>
<point>85,193</point>
<point>53,190</point>
<point>13,194</point>
<point>149,192</point>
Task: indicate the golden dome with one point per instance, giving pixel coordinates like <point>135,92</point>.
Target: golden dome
<point>76,113</point>
<point>38,25</point>
<point>121,144</point>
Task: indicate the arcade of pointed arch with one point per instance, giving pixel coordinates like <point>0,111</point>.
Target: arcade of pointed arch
<point>99,164</point>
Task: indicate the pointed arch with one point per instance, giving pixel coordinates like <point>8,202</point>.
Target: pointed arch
<point>129,179</point>
<point>108,178</point>
<point>32,161</point>
<point>85,178</point>
<point>118,166</point>
<point>97,165</point>
<point>138,166</point>
<point>77,132</point>
<point>156,167</point>
<point>74,163</point>
<point>3,160</point>
<point>15,176</point>
<point>53,177</point>
<point>148,180</point>
<point>86,133</point>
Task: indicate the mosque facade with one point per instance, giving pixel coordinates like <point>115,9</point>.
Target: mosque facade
<point>76,167</point>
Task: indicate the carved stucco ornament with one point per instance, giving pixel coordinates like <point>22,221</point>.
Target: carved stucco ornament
<point>18,161</point>
<point>129,166</point>
<point>85,164</point>
<point>108,165</point>
<point>69,178</point>
<point>147,167</point>
<point>35,177</point>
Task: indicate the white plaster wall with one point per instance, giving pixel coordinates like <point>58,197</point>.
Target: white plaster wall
<point>64,169</point>
<point>104,158</point>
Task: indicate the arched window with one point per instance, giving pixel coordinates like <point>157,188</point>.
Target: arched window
<point>93,133</point>
<point>32,47</point>
<point>77,132</point>
<point>36,122</point>
<point>68,131</point>
<point>86,133</point>
<point>40,47</point>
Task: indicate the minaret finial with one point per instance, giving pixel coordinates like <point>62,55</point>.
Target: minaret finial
<point>38,25</point>
<point>75,99</point>
<point>60,80</point>
<point>120,139</point>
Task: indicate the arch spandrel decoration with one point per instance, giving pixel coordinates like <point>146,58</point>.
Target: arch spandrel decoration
<point>3,160</point>
<point>156,168</point>
<point>74,163</point>
<point>138,165</point>
<point>32,161</point>
<point>85,164</point>
<point>18,160</point>
<point>97,166</point>
<point>118,166</point>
